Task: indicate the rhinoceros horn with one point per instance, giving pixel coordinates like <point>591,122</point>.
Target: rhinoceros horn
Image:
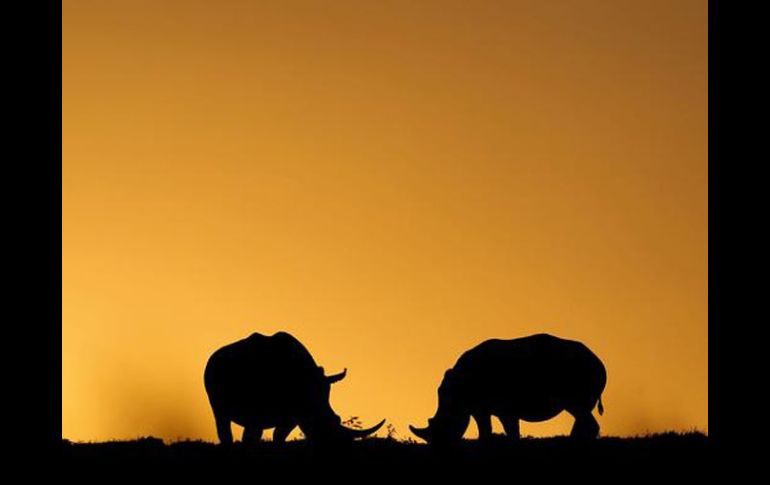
<point>423,433</point>
<point>337,377</point>
<point>361,433</point>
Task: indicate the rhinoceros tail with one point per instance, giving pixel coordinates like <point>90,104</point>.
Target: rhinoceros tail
<point>601,407</point>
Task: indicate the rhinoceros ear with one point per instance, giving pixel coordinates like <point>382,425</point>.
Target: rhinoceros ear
<point>449,375</point>
<point>337,377</point>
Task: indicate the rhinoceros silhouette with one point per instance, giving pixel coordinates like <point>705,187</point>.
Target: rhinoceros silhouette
<point>531,378</point>
<point>264,382</point>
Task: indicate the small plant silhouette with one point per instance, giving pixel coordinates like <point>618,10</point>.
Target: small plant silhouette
<point>353,422</point>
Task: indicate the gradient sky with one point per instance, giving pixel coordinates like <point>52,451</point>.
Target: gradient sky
<point>392,182</point>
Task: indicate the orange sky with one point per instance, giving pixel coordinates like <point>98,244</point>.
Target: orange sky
<point>392,182</point>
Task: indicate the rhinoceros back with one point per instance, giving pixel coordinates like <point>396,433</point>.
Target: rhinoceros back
<point>259,374</point>
<point>535,375</point>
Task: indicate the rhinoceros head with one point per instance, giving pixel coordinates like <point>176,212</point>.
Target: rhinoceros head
<point>321,423</point>
<point>451,419</point>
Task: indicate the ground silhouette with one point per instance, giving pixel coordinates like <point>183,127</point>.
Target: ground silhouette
<point>666,456</point>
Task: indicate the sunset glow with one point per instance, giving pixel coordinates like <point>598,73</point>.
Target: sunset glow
<point>392,183</point>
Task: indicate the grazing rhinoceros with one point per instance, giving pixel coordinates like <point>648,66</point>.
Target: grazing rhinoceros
<point>531,378</point>
<point>265,382</point>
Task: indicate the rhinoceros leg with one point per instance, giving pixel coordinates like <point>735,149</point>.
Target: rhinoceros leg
<point>511,427</point>
<point>224,432</point>
<point>585,426</point>
<point>282,432</point>
<point>252,434</point>
<point>484,423</point>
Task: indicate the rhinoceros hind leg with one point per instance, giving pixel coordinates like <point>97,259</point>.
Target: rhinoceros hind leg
<point>511,427</point>
<point>224,432</point>
<point>585,426</point>
<point>282,432</point>
<point>252,434</point>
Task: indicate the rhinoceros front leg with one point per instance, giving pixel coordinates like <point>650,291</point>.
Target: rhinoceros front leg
<point>224,432</point>
<point>282,432</point>
<point>252,434</point>
<point>484,423</point>
<point>511,427</point>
